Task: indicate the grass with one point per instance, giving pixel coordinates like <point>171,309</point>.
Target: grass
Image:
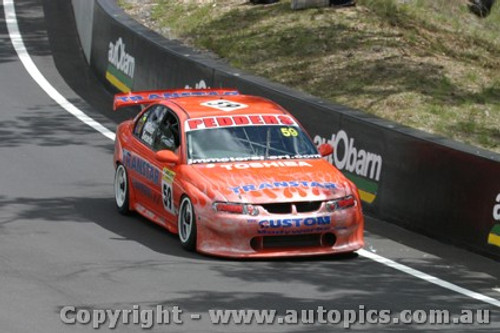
<point>426,64</point>
<point>125,5</point>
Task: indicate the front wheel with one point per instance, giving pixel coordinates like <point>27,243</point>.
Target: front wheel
<point>122,190</point>
<point>187,224</point>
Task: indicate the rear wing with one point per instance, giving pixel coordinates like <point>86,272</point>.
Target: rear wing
<point>151,96</point>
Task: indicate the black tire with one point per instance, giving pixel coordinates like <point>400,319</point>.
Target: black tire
<point>121,187</point>
<point>186,224</point>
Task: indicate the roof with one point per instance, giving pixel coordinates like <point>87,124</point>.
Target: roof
<point>226,105</point>
<point>201,102</point>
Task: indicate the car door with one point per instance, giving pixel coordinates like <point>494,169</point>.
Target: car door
<point>145,171</point>
<point>167,137</point>
<point>158,129</point>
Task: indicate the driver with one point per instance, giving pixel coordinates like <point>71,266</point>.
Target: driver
<point>167,137</point>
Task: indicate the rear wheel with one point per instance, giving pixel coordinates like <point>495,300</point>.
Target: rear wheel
<point>121,190</point>
<point>187,224</point>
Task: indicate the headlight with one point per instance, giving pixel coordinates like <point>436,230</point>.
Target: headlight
<point>341,203</point>
<point>235,208</point>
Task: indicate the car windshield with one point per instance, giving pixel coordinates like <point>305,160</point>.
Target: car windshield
<point>245,143</point>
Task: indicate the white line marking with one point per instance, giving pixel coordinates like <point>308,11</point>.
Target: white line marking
<point>428,278</point>
<point>497,290</point>
<point>22,53</point>
<point>17,42</point>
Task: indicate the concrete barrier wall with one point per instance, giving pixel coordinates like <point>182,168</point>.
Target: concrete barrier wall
<point>432,185</point>
<point>84,16</point>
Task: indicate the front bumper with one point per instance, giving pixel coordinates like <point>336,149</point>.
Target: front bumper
<point>280,235</point>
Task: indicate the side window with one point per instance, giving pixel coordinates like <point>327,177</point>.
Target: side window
<point>140,123</point>
<point>148,124</point>
<point>167,136</point>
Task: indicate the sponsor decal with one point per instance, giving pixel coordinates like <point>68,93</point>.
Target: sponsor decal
<point>251,158</point>
<point>141,166</point>
<point>278,185</point>
<point>167,190</point>
<point>287,226</point>
<point>194,124</point>
<point>261,165</point>
<point>121,66</point>
<point>291,232</point>
<point>146,191</point>
<point>138,97</point>
<point>295,222</point>
<point>494,235</point>
<point>168,175</point>
<point>362,167</point>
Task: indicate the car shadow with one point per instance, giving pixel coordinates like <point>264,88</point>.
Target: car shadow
<point>133,227</point>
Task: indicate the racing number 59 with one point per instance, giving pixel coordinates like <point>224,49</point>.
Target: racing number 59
<point>289,131</point>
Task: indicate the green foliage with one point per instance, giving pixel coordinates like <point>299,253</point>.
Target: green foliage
<point>427,64</point>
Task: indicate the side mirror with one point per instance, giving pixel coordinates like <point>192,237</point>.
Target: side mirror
<point>325,149</point>
<point>167,156</point>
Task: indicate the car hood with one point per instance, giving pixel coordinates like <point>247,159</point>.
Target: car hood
<point>273,181</point>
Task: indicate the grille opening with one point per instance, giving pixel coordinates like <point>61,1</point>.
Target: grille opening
<point>290,241</point>
<point>276,242</point>
<point>305,207</point>
<point>278,208</point>
<point>293,241</point>
<point>286,207</point>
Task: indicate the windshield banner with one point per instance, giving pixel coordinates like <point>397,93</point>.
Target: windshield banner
<point>194,124</point>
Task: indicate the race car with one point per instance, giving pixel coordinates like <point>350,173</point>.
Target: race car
<point>233,175</point>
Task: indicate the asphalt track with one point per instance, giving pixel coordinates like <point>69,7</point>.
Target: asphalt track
<point>62,241</point>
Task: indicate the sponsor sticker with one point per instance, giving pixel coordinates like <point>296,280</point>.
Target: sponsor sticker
<point>141,166</point>
<point>292,226</point>
<point>194,124</point>
<point>269,231</point>
<point>261,165</point>
<point>140,97</point>
<point>242,165</point>
<point>295,222</point>
<point>146,191</point>
<point>277,185</point>
<point>168,175</point>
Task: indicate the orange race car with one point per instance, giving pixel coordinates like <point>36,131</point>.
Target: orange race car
<point>232,175</point>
